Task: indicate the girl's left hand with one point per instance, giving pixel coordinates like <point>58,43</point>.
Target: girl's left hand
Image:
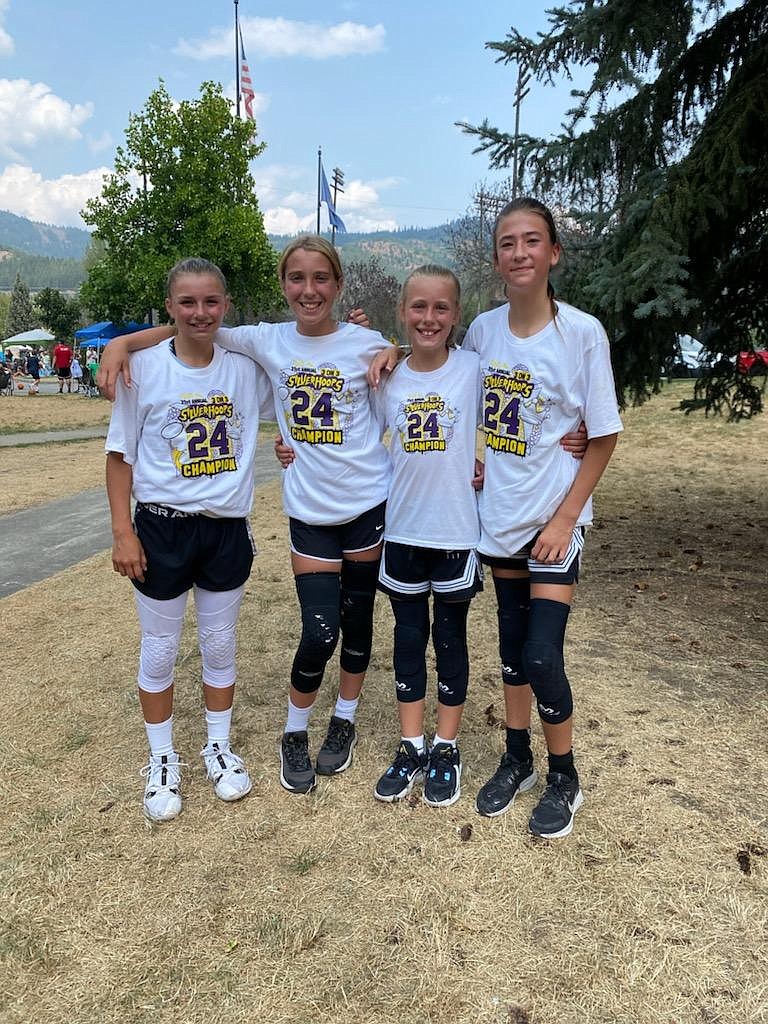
<point>283,452</point>
<point>359,317</point>
<point>576,441</point>
<point>479,478</point>
<point>553,542</point>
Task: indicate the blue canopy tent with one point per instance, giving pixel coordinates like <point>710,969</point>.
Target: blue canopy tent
<point>98,335</point>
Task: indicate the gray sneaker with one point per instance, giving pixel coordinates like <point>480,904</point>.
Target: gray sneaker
<point>296,772</point>
<point>336,752</point>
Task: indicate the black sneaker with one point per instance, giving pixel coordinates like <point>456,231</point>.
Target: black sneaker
<point>336,752</point>
<point>296,771</point>
<point>509,779</point>
<point>442,786</point>
<point>552,817</point>
<point>397,781</point>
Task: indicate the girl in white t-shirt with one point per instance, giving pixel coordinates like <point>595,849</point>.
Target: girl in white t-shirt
<point>430,405</point>
<point>182,441</point>
<point>545,366</point>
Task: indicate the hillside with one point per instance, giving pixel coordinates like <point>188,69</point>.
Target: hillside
<point>49,256</point>
<point>36,239</point>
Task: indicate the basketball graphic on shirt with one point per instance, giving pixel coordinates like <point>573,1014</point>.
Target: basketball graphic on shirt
<point>205,435</point>
<point>318,402</point>
<point>514,409</point>
<point>425,423</point>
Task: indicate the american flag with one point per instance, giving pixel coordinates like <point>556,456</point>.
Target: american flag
<point>246,85</point>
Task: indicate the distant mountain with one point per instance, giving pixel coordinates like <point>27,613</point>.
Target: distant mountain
<point>36,239</point>
<point>49,256</point>
<point>399,251</point>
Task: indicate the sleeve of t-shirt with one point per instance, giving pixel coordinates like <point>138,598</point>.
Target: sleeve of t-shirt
<point>248,340</point>
<point>264,396</point>
<point>601,409</point>
<point>123,433</point>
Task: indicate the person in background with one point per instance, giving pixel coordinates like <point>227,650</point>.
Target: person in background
<point>62,363</point>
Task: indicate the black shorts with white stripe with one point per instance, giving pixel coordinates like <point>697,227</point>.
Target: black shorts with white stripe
<point>408,571</point>
<point>563,573</point>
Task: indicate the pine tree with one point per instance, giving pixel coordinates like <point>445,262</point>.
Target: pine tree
<point>21,313</point>
<point>663,159</point>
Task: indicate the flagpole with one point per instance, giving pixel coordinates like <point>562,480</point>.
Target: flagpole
<point>319,166</point>
<point>237,59</point>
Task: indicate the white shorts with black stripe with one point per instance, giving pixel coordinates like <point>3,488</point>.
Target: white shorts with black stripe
<point>563,572</point>
<point>408,571</point>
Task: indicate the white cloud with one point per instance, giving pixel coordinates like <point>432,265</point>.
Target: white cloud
<point>98,143</point>
<point>54,201</point>
<point>291,210</point>
<point>30,113</point>
<point>6,43</point>
<point>279,37</point>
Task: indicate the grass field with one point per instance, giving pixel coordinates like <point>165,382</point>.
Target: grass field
<point>333,908</point>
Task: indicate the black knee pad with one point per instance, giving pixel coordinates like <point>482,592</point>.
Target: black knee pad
<point>320,616</point>
<point>408,657</point>
<point>358,591</point>
<point>449,636</point>
<point>513,599</point>
<point>543,660</point>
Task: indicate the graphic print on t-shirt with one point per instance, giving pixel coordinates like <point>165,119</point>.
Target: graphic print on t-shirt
<point>514,409</point>
<point>425,423</point>
<point>319,403</point>
<point>205,435</point>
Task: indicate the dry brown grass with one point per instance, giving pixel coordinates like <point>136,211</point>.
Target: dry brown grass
<point>37,473</point>
<point>334,908</point>
<point>23,414</point>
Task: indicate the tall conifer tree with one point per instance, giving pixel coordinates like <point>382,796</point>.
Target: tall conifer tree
<point>663,159</point>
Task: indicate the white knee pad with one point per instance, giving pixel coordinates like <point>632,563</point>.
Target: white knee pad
<point>156,662</point>
<point>216,621</point>
<point>161,624</point>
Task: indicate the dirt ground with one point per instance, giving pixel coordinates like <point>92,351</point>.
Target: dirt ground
<point>334,908</point>
<point>51,412</point>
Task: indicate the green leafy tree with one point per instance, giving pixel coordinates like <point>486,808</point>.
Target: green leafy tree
<point>21,312</point>
<point>663,162</point>
<point>181,187</point>
<point>60,315</point>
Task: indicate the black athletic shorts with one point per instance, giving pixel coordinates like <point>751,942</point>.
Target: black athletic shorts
<point>63,373</point>
<point>185,550</point>
<point>407,571</point>
<point>332,543</point>
<point>562,573</point>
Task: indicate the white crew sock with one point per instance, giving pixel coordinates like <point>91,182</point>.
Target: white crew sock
<point>218,724</point>
<point>160,737</point>
<point>298,718</point>
<point>440,739</point>
<point>417,741</point>
<point>346,708</point>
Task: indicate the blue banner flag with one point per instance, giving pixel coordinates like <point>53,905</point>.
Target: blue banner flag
<point>325,197</point>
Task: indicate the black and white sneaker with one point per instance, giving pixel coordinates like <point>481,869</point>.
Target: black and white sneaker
<point>336,752</point>
<point>552,817</point>
<point>398,780</point>
<point>296,772</point>
<point>442,786</point>
<point>509,779</point>
<point>162,794</point>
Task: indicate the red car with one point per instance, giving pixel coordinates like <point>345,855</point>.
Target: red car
<point>752,362</point>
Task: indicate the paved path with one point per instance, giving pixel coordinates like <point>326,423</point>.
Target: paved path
<point>39,542</point>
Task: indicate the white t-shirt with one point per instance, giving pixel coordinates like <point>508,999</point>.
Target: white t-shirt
<point>190,433</point>
<point>433,422</point>
<point>535,390</point>
<point>324,411</point>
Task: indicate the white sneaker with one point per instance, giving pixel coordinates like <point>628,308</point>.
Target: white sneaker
<point>227,771</point>
<point>162,795</point>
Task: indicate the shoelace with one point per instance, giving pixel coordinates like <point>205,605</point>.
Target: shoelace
<point>401,762</point>
<point>172,772</point>
<point>226,759</point>
<point>296,754</point>
<point>555,795</point>
<point>337,736</point>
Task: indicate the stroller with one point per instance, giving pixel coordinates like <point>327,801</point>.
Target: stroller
<point>87,385</point>
<point>6,381</point>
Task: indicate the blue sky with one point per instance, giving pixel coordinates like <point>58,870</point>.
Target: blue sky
<point>377,85</point>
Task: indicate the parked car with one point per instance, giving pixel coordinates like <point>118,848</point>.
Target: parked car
<point>753,362</point>
<point>688,358</point>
